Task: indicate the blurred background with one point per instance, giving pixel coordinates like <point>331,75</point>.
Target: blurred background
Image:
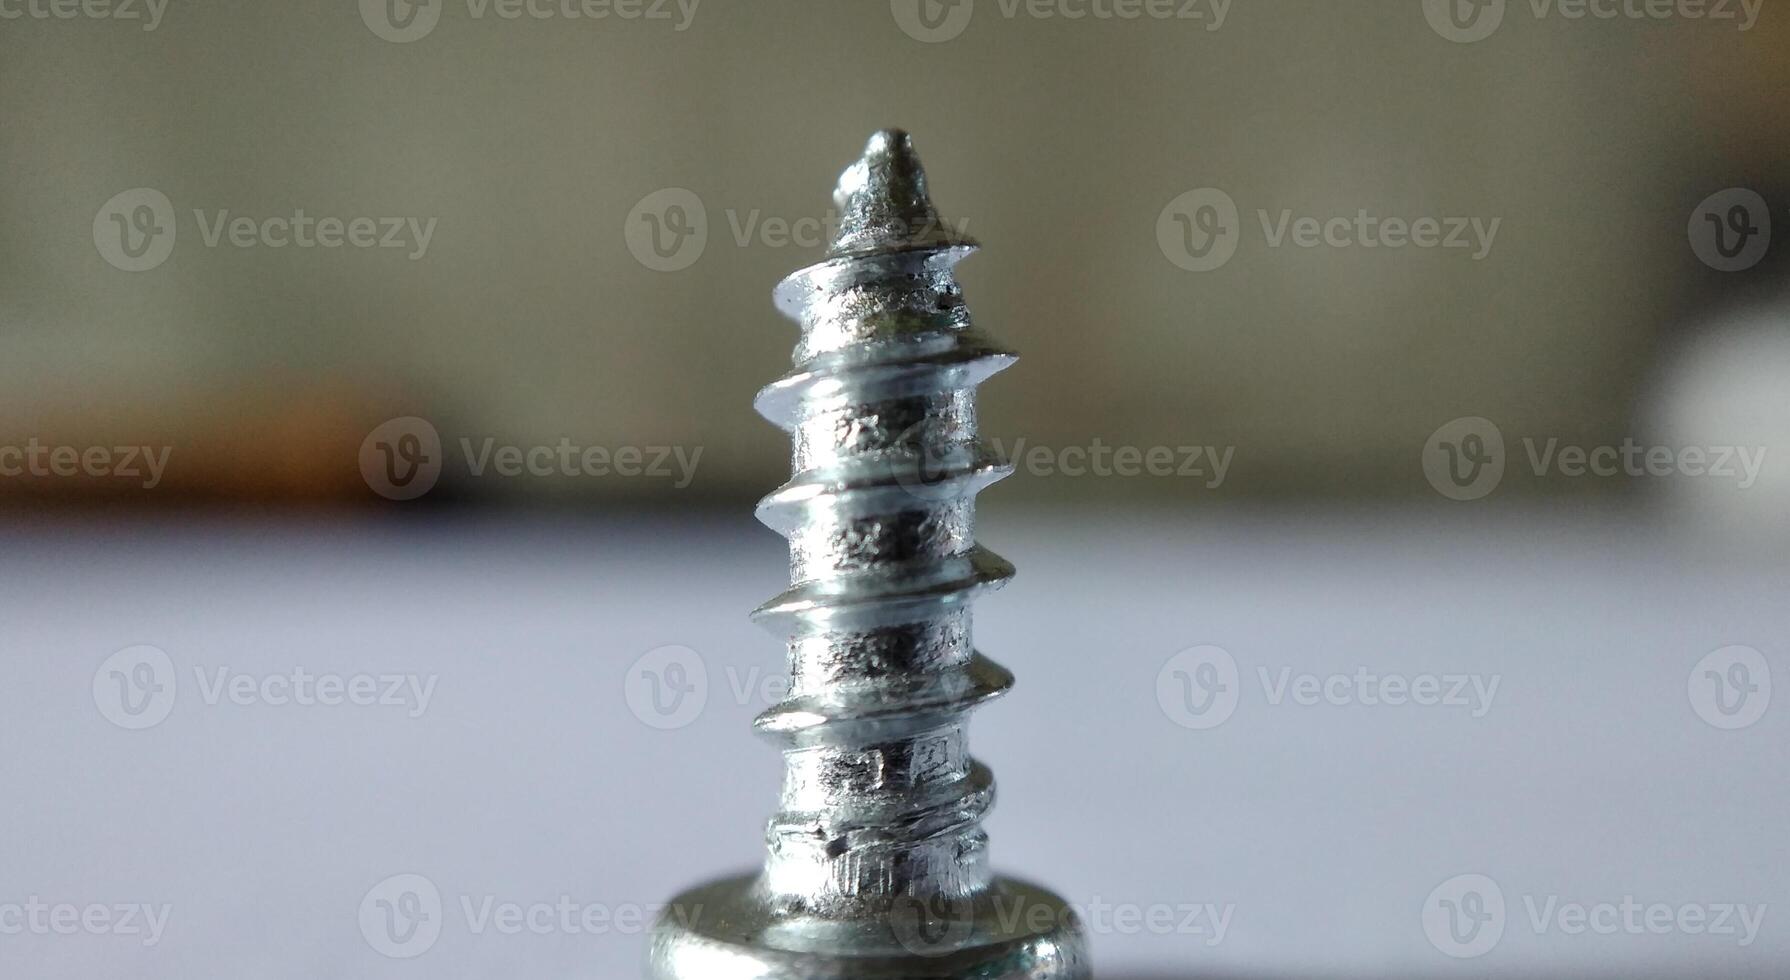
<point>1421,335</point>
<point>531,150</point>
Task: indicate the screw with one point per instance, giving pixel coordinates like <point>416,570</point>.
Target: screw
<point>878,864</point>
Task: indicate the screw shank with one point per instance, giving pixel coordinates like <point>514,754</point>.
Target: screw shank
<point>877,863</point>
<point>881,799</point>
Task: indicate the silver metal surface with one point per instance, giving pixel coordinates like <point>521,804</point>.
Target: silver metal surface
<point>878,864</point>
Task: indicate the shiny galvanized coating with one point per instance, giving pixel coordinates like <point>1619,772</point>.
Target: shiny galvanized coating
<point>878,864</point>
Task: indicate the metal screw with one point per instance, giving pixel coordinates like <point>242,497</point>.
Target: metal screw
<point>878,862</point>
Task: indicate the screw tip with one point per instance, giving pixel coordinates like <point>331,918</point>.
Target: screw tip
<point>883,201</point>
<point>890,142</point>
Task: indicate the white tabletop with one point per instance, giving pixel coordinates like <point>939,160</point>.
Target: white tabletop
<point>236,837</point>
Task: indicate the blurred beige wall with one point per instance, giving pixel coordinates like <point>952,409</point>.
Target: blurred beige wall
<point>530,142</point>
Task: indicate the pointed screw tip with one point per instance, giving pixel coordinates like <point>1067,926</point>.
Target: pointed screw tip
<point>884,204</point>
<point>888,168</point>
<point>887,142</point>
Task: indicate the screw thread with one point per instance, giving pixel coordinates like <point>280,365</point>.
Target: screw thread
<point>881,799</point>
